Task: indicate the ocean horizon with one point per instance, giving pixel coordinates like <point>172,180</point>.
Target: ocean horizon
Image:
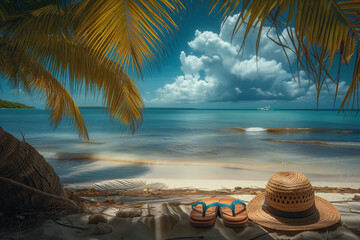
<point>197,143</point>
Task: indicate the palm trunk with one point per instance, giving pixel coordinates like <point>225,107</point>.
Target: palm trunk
<point>27,181</point>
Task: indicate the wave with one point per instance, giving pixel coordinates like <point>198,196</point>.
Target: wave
<point>317,142</point>
<point>277,130</point>
<point>255,129</point>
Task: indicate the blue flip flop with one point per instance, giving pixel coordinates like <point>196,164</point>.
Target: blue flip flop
<point>204,213</point>
<point>233,212</point>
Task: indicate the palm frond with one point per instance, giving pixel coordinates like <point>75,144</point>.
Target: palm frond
<point>75,64</point>
<point>118,184</point>
<point>321,29</point>
<point>131,32</point>
<point>27,72</point>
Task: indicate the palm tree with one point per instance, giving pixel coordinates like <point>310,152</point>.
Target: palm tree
<point>318,30</point>
<point>47,45</point>
<point>92,45</point>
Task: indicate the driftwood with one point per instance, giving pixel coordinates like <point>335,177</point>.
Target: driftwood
<point>27,181</point>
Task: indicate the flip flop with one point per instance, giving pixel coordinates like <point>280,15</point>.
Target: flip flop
<point>204,213</point>
<point>233,212</point>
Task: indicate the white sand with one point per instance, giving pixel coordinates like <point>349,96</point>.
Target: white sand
<point>244,169</point>
<point>204,184</point>
<point>171,221</point>
<point>211,184</point>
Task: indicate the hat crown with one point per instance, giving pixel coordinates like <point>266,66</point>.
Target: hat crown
<point>289,192</point>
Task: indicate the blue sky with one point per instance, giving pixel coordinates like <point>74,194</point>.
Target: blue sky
<point>204,70</point>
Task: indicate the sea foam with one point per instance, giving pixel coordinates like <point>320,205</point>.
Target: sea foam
<point>255,129</point>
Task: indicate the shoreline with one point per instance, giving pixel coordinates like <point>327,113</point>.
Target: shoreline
<point>246,167</point>
<point>205,174</point>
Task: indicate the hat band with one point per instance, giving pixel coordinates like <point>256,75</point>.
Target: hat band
<point>283,214</point>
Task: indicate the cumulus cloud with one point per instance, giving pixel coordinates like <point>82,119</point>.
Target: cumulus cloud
<point>217,72</point>
<point>187,88</point>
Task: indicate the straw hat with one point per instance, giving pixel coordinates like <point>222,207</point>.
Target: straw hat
<point>289,204</point>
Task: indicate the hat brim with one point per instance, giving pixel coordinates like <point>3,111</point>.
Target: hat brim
<point>326,215</point>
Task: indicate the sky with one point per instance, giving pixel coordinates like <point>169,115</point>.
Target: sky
<point>204,69</point>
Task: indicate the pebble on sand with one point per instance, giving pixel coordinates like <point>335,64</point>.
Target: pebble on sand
<point>95,219</point>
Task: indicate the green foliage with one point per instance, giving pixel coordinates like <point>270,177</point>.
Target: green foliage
<point>7,104</point>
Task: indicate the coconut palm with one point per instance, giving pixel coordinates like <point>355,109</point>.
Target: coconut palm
<point>318,32</point>
<point>49,46</point>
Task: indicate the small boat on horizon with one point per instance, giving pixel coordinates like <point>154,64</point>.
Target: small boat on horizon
<point>264,108</point>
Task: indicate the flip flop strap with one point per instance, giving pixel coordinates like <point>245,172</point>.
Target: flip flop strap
<point>205,207</point>
<point>232,206</point>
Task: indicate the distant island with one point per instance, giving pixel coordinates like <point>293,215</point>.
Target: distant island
<point>7,104</point>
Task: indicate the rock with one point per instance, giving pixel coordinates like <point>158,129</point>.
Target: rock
<point>129,212</point>
<point>102,228</point>
<point>95,219</point>
<point>356,197</point>
<point>238,188</point>
<point>258,192</point>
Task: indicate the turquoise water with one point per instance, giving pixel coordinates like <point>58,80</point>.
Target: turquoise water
<point>323,144</point>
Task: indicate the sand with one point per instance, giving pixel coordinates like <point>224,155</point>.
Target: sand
<point>167,216</point>
<point>203,184</point>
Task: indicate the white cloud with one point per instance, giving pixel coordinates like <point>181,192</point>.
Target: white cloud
<point>253,69</point>
<point>214,71</point>
<point>187,88</point>
<point>211,43</point>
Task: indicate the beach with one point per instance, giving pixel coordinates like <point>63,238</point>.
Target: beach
<point>171,120</point>
<point>165,207</point>
<point>175,160</point>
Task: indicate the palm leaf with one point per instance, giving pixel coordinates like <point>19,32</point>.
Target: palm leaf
<point>131,32</point>
<point>44,31</point>
<point>21,67</point>
<point>321,29</point>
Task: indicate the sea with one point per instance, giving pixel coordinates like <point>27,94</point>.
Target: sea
<point>324,145</point>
